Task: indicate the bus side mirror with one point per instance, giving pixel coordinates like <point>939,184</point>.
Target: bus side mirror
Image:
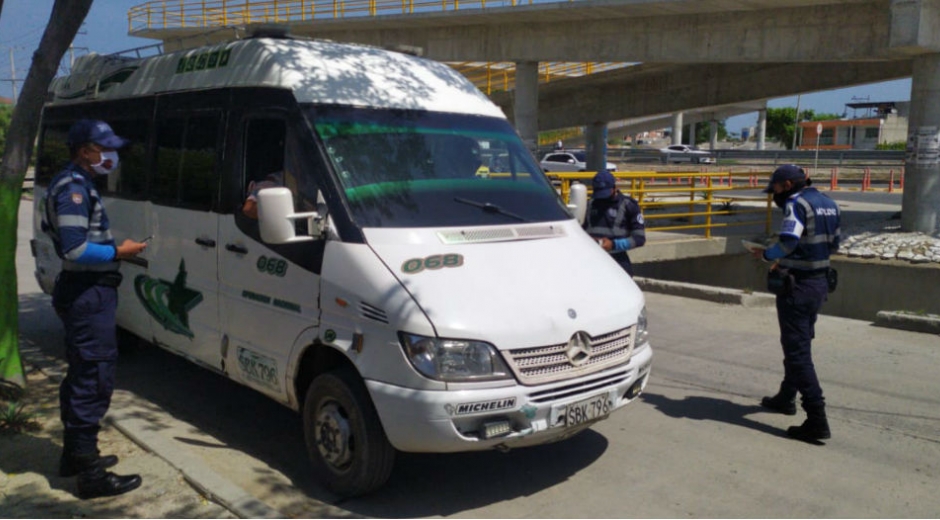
<point>577,201</point>
<point>276,218</point>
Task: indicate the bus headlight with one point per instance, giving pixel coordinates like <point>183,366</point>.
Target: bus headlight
<point>454,359</point>
<point>642,335</point>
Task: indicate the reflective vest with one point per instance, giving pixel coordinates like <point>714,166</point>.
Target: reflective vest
<point>74,216</point>
<point>813,218</point>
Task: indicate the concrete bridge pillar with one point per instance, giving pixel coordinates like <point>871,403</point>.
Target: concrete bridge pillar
<point>761,128</point>
<point>713,135</point>
<point>691,134</point>
<point>526,106</point>
<point>921,201</point>
<point>677,128</point>
<point>596,137</point>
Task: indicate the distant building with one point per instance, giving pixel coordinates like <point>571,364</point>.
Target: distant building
<point>885,122</point>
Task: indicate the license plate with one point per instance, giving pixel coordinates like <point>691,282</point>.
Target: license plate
<point>584,411</point>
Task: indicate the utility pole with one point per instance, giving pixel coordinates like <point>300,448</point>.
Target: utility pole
<point>796,122</point>
<point>13,74</point>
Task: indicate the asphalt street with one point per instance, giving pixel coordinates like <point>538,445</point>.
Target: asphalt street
<point>696,444</point>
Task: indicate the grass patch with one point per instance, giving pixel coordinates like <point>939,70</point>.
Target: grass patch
<point>15,419</point>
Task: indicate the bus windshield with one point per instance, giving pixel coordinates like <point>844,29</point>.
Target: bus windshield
<point>402,168</point>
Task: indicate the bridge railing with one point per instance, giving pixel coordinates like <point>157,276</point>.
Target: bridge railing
<point>682,201</point>
<point>214,13</point>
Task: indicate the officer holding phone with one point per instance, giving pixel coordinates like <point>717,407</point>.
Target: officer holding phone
<point>85,298</point>
<point>801,279</point>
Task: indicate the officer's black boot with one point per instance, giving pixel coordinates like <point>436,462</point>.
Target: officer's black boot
<point>784,402</point>
<point>69,466</point>
<point>815,427</point>
<point>94,481</point>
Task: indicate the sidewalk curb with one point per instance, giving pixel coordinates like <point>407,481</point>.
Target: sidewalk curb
<point>197,473</point>
<point>929,323</point>
<point>706,292</point>
<point>210,483</point>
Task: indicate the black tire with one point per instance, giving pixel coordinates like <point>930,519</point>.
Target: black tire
<point>356,457</point>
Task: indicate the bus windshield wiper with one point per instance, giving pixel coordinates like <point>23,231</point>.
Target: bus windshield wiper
<point>491,208</point>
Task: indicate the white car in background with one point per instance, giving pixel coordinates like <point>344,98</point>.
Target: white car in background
<point>685,153</point>
<point>564,161</point>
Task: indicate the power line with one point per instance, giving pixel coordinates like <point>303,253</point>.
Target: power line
<point>24,35</point>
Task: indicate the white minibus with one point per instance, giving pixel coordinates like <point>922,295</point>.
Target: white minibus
<point>411,280</point>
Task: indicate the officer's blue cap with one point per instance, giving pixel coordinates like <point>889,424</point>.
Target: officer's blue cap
<point>603,184</point>
<point>787,172</point>
<point>92,131</point>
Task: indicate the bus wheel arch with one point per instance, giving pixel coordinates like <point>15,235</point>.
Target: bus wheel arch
<point>346,443</point>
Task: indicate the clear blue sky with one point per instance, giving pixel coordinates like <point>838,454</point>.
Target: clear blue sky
<point>105,31</point>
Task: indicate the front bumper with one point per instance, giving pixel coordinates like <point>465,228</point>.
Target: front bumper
<point>452,421</point>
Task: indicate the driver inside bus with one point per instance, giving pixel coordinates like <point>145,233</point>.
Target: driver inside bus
<point>271,180</point>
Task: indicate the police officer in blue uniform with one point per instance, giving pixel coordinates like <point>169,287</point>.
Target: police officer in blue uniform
<point>809,233</point>
<point>85,298</point>
<point>614,220</point>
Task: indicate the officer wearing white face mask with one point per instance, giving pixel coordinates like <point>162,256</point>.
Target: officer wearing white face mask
<point>85,298</point>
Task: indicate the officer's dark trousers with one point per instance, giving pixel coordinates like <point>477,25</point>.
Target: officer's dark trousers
<point>796,314</point>
<point>624,262</point>
<point>88,312</point>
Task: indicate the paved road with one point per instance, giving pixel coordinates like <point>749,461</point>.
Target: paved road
<point>696,444</point>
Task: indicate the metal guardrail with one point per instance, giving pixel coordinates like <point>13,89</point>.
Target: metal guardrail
<point>487,76</point>
<point>214,13</point>
<point>705,197</point>
<point>802,157</point>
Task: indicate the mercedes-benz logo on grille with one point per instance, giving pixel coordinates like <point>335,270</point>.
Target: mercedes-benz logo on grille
<point>579,348</point>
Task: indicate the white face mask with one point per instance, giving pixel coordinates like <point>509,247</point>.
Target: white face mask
<point>109,163</point>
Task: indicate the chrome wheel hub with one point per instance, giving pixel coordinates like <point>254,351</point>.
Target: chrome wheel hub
<point>333,435</point>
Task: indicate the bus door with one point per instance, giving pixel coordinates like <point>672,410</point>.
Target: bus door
<point>181,291</point>
<point>269,293</point>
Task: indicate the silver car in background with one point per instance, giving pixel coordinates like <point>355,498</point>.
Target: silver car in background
<point>685,153</point>
<point>568,161</point>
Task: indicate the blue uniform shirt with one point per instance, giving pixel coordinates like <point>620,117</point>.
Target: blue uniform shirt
<point>618,219</point>
<point>809,232</point>
<point>78,223</point>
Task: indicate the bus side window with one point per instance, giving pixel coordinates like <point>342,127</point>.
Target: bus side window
<point>130,181</point>
<point>187,157</point>
<point>54,153</point>
<point>264,152</point>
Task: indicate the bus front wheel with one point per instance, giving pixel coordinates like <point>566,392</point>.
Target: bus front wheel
<point>347,446</point>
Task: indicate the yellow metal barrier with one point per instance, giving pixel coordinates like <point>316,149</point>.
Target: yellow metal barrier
<point>696,192</point>
<point>489,77</point>
<point>211,13</point>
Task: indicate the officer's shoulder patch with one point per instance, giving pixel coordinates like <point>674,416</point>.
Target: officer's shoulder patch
<point>77,198</point>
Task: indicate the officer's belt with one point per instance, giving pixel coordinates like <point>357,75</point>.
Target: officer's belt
<point>105,279</point>
<point>807,275</point>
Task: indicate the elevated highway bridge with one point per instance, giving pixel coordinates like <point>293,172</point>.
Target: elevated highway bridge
<point>707,58</point>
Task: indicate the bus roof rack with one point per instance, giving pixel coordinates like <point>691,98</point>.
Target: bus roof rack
<point>269,30</point>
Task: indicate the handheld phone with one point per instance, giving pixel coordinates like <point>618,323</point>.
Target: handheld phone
<point>146,239</point>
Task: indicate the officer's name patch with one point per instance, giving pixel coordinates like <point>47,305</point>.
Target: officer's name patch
<point>77,198</point>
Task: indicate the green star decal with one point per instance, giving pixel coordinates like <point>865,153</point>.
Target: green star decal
<point>168,302</point>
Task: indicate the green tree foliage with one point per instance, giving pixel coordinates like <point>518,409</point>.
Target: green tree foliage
<point>703,133</point>
<point>897,145</point>
<point>6,114</point>
<point>781,122</point>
